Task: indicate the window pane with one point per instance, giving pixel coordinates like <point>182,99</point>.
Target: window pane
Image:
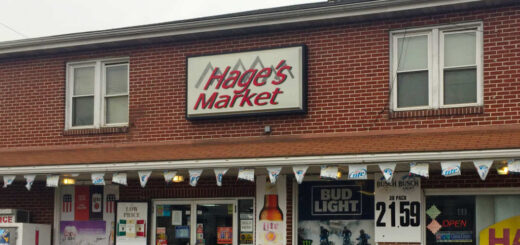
<point>412,53</point>
<point>460,49</point>
<point>460,86</point>
<point>84,81</point>
<point>412,89</point>
<point>117,109</point>
<point>83,111</point>
<point>117,79</point>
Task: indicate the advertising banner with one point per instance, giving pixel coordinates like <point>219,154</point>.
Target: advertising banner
<point>264,81</point>
<point>82,232</point>
<point>398,208</point>
<point>96,202</point>
<point>339,212</point>
<point>271,211</point>
<point>504,232</point>
<point>132,221</point>
<point>81,203</point>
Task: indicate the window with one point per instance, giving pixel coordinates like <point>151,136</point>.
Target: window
<point>97,94</point>
<point>437,67</point>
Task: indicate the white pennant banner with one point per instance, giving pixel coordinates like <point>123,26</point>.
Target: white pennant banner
<point>329,172</point>
<point>194,176</point>
<point>143,177</point>
<point>219,175</point>
<point>388,170</point>
<point>119,178</point>
<point>29,179</point>
<point>513,166</point>
<point>483,167</point>
<point>8,180</point>
<point>273,173</point>
<point>98,178</point>
<point>246,174</point>
<point>357,171</point>
<point>53,180</point>
<point>450,168</point>
<point>299,173</point>
<point>168,176</point>
<point>420,169</point>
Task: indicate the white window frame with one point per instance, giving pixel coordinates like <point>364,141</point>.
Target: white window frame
<point>436,63</point>
<point>100,66</point>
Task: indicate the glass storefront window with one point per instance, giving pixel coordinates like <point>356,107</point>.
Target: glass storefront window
<point>214,224</point>
<point>472,219</point>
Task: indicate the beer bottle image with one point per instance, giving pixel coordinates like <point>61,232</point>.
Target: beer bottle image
<point>271,218</point>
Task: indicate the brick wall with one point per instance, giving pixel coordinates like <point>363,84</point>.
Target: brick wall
<point>39,201</point>
<point>348,84</point>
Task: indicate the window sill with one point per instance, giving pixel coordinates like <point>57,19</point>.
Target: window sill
<point>93,131</point>
<point>438,112</point>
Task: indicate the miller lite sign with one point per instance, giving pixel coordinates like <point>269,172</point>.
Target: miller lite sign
<point>247,83</point>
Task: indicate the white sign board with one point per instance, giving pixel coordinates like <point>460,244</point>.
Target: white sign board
<point>398,208</point>
<point>132,223</point>
<point>246,83</point>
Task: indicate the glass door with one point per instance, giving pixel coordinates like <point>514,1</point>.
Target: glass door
<point>172,223</point>
<point>215,223</point>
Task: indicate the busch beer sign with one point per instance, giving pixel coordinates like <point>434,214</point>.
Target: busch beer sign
<point>237,84</point>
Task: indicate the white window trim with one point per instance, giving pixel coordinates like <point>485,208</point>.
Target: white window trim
<point>99,91</point>
<point>436,64</point>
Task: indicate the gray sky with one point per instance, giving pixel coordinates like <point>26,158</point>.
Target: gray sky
<point>37,18</point>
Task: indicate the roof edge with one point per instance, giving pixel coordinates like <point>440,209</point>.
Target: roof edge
<point>226,23</point>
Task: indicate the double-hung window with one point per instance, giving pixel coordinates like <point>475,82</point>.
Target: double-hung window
<point>439,67</point>
<point>97,94</point>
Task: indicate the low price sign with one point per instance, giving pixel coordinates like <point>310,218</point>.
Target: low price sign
<point>398,209</point>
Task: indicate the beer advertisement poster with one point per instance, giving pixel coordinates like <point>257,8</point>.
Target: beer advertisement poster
<point>83,232</point>
<point>337,212</point>
<point>271,211</point>
<point>132,221</point>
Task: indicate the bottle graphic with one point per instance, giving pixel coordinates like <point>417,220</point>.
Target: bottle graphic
<point>271,218</point>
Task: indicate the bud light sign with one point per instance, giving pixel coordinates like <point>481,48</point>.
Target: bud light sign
<point>246,83</point>
<point>348,200</point>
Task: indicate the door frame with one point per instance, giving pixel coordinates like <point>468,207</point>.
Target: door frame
<point>193,202</point>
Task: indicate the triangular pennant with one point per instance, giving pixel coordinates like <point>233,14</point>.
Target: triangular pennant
<point>8,180</point>
<point>273,173</point>
<point>29,179</point>
<point>219,175</point>
<point>357,171</point>
<point>168,176</point>
<point>194,176</point>
<point>513,166</point>
<point>450,168</point>
<point>388,170</point>
<point>483,167</point>
<point>329,172</point>
<point>98,178</point>
<point>420,169</point>
<point>246,174</point>
<point>119,178</point>
<point>143,177</point>
<point>299,173</point>
<point>53,180</point>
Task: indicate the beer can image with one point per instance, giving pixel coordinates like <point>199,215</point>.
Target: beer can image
<point>141,228</point>
<point>121,227</point>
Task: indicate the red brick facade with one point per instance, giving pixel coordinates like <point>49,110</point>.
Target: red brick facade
<point>348,80</point>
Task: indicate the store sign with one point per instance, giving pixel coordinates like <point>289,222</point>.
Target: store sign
<point>245,83</point>
<point>398,208</point>
<point>506,232</point>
